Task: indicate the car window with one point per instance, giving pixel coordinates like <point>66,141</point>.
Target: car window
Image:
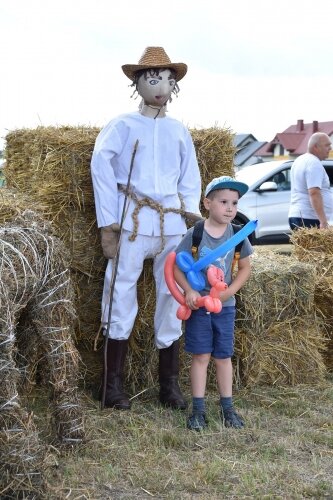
<point>329,170</point>
<point>282,179</point>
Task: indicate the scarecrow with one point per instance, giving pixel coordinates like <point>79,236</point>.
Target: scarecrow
<point>146,183</point>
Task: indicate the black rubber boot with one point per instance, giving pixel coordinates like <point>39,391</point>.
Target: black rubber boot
<point>170,394</point>
<point>115,397</point>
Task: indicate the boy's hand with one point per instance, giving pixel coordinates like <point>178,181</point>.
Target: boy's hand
<point>225,295</point>
<point>191,297</point>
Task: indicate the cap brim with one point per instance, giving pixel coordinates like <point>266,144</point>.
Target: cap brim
<point>241,187</point>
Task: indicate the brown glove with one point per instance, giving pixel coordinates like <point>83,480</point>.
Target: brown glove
<point>109,239</point>
<point>190,216</point>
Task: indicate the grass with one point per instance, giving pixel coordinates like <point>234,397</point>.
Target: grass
<point>285,450</point>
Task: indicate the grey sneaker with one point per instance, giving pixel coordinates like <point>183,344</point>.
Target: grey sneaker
<point>197,422</point>
<point>230,418</point>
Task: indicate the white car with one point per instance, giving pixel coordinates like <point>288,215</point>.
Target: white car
<point>268,199</point>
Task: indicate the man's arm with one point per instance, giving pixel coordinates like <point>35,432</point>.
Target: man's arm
<point>316,201</point>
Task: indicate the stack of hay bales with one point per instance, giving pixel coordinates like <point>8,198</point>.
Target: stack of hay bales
<point>279,338</point>
<point>51,165</point>
<point>315,247</point>
<point>37,314</point>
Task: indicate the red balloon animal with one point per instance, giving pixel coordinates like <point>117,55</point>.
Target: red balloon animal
<point>211,302</point>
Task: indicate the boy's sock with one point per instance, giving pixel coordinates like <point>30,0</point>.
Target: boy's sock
<point>198,405</point>
<point>197,421</point>
<point>226,403</point>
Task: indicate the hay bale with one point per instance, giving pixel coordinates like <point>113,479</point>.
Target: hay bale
<point>279,338</point>
<point>315,247</point>
<point>13,203</point>
<point>51,165</point>
<point>215,153</point>
<point>286,353</point>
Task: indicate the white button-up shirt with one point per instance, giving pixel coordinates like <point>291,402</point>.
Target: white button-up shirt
<point>165,164</point>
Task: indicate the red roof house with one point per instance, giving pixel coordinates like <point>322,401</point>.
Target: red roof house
<point>293,141</point>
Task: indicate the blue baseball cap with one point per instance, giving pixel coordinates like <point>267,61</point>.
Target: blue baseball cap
<point>226,182</point>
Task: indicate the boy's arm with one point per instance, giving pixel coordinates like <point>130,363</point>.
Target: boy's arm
<point>243,274</point>
<point>190,294</point>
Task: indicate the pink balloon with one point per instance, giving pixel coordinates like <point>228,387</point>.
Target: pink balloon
<point>170,279</point>
<point>211,302</point>
<point>183,312</point>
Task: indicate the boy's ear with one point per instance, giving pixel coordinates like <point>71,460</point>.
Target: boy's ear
<point>206,203</point>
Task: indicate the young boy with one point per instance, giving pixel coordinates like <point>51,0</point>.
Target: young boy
<point>212,334</point>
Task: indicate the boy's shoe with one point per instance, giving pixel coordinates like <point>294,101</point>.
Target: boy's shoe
<point>230,418</point>
<point>197,422</point>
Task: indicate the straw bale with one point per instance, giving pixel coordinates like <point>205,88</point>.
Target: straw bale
<point>51,165</point>
<point>280,288</point>
<point>215,152</point>
<point>278,334</point>
<point>315,246</point>
<point>312,243</point>
<point>13,203</point>
<point>286,353</point>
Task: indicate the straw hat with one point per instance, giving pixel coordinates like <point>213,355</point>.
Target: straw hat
<point>155,57</point>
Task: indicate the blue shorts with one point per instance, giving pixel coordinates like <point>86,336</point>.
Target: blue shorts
<point>211,332</point>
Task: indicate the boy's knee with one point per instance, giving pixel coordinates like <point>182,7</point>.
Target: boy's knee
<point>222,361</point>
<point>201,358</point>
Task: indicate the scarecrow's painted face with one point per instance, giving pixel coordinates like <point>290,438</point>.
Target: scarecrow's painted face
<point>155,87</point>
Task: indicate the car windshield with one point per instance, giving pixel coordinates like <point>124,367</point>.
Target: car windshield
<point>254,173</point>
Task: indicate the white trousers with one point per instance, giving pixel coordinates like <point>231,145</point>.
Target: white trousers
<point>125,305</point>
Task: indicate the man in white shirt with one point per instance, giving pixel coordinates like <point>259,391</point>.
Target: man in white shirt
<point>311,200</point>
<point>165,176</point>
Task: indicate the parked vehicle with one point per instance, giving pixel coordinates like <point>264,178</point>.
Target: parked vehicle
<point>268,199</point>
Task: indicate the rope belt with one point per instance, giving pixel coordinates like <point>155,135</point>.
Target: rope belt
<point>146,201</point>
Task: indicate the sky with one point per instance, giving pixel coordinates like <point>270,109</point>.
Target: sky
<point>254,66</point>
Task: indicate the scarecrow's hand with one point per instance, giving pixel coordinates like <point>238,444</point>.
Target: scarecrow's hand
<point>109,239</point>
<point>190,216</point>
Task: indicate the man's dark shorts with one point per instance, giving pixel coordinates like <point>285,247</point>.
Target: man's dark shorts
<point>211,332</point>
<point>297,222</point>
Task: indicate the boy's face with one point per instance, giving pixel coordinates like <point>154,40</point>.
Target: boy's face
<point>155,88</point>
<point>222,205</point>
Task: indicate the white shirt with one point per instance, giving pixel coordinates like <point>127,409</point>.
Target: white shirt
<point>308,172</point>
<point>165,165</point>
